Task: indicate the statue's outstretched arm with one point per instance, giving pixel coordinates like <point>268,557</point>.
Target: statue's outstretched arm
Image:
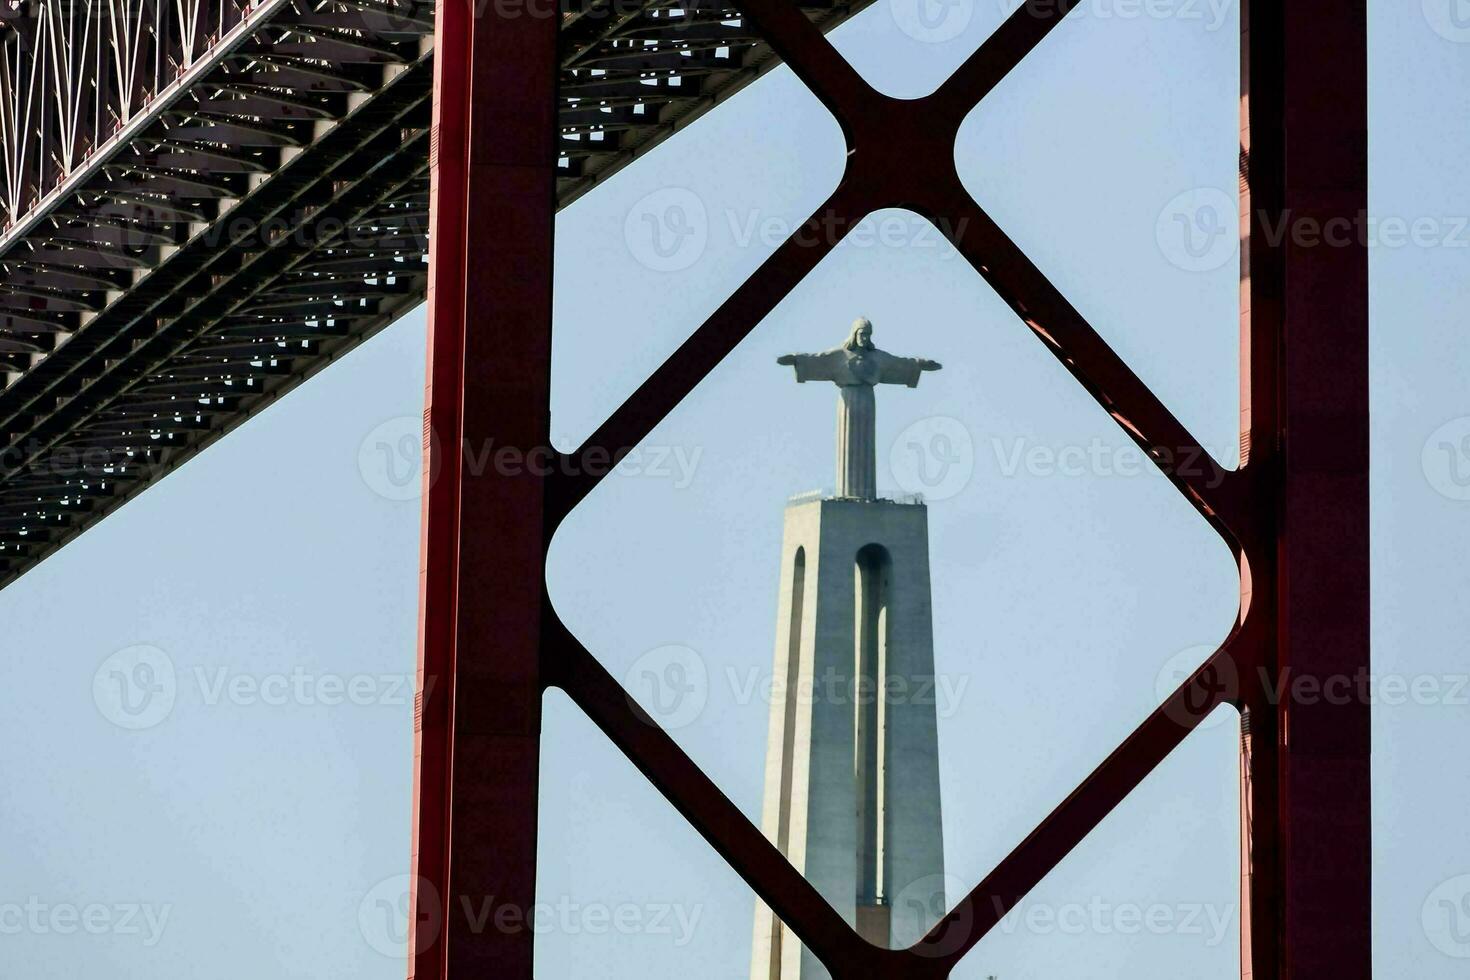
<point>814,367</point>
<point>905,370</point>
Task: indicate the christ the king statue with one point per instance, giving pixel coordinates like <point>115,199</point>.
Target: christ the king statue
<point>855,368</point>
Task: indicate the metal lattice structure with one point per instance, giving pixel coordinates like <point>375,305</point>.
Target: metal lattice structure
<point>205,202</point>
<point>1295,514</point>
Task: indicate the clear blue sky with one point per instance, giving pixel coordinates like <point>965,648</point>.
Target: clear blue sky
<point>251,828</point>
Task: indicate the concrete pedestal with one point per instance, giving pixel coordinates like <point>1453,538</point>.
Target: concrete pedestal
<point>852,764</point>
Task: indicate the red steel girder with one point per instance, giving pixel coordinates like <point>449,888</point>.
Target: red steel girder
<point>493,206</point>
<point>1295,513</point>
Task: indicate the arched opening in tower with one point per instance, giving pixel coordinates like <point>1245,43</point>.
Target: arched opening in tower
<point>788,733</point>
<point>872,575</point>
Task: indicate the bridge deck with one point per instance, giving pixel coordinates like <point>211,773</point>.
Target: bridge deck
<point>205,205</point>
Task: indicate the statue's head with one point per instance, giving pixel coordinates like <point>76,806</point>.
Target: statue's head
<point>861,337</point>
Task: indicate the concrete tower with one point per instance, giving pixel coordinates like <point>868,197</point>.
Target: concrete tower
<point>852,763</point>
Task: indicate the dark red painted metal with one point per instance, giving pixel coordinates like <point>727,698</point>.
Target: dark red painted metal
<point>488,386</point>
<point>1307,856</point>
<point>1295,513</point>
<point>438,558</point>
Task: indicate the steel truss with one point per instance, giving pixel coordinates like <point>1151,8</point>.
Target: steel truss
<point>205,202</point>
<point>1295,513</point>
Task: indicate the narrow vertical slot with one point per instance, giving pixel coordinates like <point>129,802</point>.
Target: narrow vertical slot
<point>788,748</point>
<point>871,668</point>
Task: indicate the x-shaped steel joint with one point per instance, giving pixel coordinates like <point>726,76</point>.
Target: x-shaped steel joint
<point>901,154</point>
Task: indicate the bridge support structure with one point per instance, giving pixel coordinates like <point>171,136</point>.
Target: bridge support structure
<point>1295,512</point>
<point>477,720</point>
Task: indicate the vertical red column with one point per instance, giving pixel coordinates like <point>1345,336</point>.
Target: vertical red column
<point>1262,173</point>
<point>478,720</point>
<point>1306,766</point>
<point>1324,785</point>
<point>439,520</point>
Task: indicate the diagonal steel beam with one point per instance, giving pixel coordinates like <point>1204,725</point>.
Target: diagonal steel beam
<point>1010,43</point>
<point>700,801</point>
<point>901,155</point>
<point>726,327</point>
<point>877,176</point>
<point>1080,813</point>
<point>1219,494</point>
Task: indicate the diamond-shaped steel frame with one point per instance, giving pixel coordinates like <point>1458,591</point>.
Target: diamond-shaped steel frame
<point>1294,513</point>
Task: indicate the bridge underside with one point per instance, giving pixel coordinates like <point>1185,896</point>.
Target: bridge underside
<point>203,206</point>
